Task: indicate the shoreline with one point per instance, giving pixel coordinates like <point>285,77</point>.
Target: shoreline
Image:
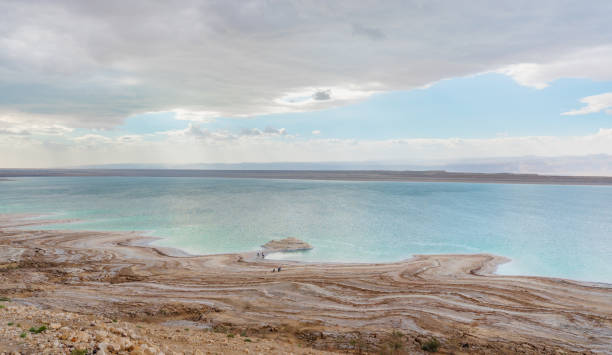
<point>170,251</point>
<point>455,298</point>
<point>147,241</point>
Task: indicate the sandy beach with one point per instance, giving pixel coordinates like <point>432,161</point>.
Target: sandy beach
<point>337,307</point>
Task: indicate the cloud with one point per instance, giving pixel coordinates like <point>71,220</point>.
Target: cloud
<point>316,132</point>
<point>368,32</point>
<point>267,132</point>
<point>528,74</point>
<point>195,116</point>
<point>15,131</point>
<point>251,132</point>
<point>583,63</point>
<point>321,95</point>
<point>594,104</point>
<point>19,124</point>
<point>196,145</point>
<point>195,131</point>
<point>275,131</point>
<point>311,98</point>
<point>130,138</point>
<point>92,140</point>
<point>235,58</point>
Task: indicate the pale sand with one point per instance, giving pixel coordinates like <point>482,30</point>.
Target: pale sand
<point>453,297</point>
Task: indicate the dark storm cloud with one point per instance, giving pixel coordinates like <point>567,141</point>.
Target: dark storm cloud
<point>322,95</point>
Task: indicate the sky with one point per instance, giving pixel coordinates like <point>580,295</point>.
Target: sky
<point>401,82</point>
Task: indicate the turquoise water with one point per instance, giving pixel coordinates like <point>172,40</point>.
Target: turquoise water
<point>563,231</point>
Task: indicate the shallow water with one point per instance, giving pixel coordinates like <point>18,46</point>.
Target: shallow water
<point>548,230</point>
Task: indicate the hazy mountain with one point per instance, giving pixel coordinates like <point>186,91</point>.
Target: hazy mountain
<point>596,165</point>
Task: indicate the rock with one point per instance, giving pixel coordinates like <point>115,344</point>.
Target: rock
<point>125,344</point>
<point>101,335</point>
<point>81,337</point>
<point>110,347</point>
<point>146,349</point>
<point>118,331</point>
<point>55,326</point>
<point>139,349</point>
<point>65,333</point>
<point>102,349</point>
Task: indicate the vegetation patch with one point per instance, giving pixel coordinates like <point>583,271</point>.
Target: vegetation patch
<point>394,344</point>
<point>38,330</point>
<point>432,345</point>
<point>220,329</point>
<point>9,266</point>
<point>78,352</point>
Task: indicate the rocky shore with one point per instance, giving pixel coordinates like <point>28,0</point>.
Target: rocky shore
<point>68,280</point>
<point>31,330</point>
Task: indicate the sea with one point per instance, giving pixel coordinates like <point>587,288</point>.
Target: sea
<point>546,230</point>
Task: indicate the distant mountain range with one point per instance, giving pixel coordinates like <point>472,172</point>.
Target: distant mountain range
<point>341,175</point>
<point>590,165</point>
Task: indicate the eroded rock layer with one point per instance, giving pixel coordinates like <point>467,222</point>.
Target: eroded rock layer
<point>454,298</point>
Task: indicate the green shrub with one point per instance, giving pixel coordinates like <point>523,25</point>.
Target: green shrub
<point>38,330</point>
<point>230,335</point>
<point>432,345</point>
<point>247,340</point>
<point>10,323</point>
<point>23,334</point>
<point>78,352</point>
<point>5,299</point>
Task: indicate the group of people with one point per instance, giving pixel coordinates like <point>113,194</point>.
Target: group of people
<point>260,254</point>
